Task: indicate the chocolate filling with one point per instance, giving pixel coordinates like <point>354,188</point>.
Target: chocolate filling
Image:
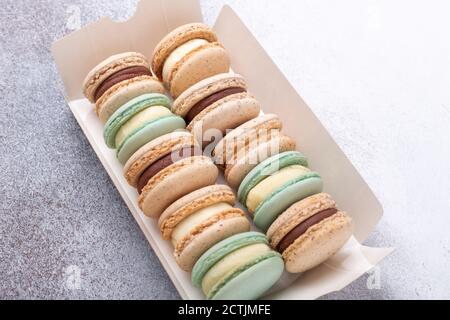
<point>164,162</point>
<point>209,100</point>
<point>299,230</point>
<point>119,76</point>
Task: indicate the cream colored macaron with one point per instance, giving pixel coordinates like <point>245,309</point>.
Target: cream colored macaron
<point>199,220</point>
<point>216,105</point>
<point>248,145</point>
<point>310,232</point>
<point>174,182</point>
<point>188,55</point>
<point>265,127</point>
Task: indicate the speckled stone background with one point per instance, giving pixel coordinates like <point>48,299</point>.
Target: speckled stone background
<point>375,72</point>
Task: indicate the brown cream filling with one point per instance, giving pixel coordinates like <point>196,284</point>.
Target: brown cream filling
<point>164,162</point>
<point>209,100</point>
<point>119,76</point>
<point>300,229</point>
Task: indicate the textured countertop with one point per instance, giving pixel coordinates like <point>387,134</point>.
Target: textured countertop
<point>376,73</point>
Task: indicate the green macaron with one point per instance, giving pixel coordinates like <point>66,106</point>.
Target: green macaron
<point>127,111</point>
<point>146,133</point>
<point>267,168</point>
<point>294,189</point>
<point>285,196</point>
<point>241,267</point>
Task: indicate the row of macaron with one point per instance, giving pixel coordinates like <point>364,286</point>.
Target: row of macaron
<point>175,181</point>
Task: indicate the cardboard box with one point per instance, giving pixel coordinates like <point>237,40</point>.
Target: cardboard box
<point>79,52</point>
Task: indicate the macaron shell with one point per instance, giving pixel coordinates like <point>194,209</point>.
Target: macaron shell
<point>225,114</point>
<point>222,249</point>
<point>176,38</point>
<point>268,167</point>
<point>296,214</point>
<point>284,197</point>
<point>174,182</point>
<point>225,149</point>
<point>108,67</point>
<point>242,145</point>
<point>192,203</point>
<point>253,282</point>
<point>154,150</point>
<point>123,92</point>
<point>247,151</point>
<point>319,243</point>
<point>209,237</point>
<point>235,173</point>
<point>205,194</point>
<point>199,64</point>
<point>156,144</point>
<point>146,134</point>
<point>183,104</point>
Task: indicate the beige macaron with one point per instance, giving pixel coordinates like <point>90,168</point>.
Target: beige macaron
<point>199,220</point>
<point>187,55</point>
<point>262,127</point>
<point>216,105</point>
<point>118,79</point>
<point>310,232</point>
<point>155,150</point>
<point>174,182</point>
<point>123,92</point>
<point>244,162</point>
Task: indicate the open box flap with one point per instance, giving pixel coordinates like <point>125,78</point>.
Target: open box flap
<point>350,263</point>
<point>278,96</point>
<point>77,53</point>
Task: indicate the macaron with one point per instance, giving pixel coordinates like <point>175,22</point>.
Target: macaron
<point>157,155</point>
<point>244,135</point>
<point>241,267</point>
<point>139,121</point>
<point>117,80</point>
<point>187,55</point>
<point>309,232</point>
<point>129,110</point>
<point>215,105</point>
<point>174,182</point>
<point>275,184</point>
<point>197,221</point>
<point>248,145</point>
<point>244,162</point>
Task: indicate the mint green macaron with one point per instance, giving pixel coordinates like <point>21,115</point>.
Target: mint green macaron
<point>282,198</point>
<point>128,110</point>
<point>267,168</point>
<point>245,280</point>
<point>146,133</point>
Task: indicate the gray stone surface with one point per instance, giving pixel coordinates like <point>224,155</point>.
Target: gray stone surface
<point>374,75</point>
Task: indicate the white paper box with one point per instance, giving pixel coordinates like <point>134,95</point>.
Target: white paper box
<point>79,52</point>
